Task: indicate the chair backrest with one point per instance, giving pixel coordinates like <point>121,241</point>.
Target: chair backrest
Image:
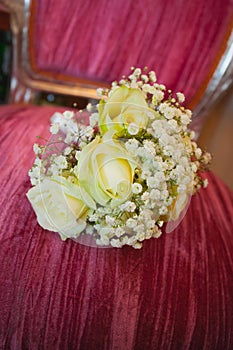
<point>73,47</point>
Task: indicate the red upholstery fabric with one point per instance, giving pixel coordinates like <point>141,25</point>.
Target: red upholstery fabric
<point>175,293</point>
<point>100,40</point>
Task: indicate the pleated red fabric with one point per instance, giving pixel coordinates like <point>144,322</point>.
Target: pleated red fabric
<point>100,40</point>
<point>174,293</point>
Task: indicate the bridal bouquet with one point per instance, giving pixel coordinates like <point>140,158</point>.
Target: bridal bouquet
<point>121,169</point>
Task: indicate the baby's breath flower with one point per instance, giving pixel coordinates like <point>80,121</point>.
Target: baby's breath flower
<point>67,151</point>
<point>61,162</point>
<point>54,128</point>
<point>145,78</point>
<point>110,220</point>
<point>89,107</point>
<point>136,188</point>
<point>131,223</point>
<point>36,149</point>
<point>137,72</point>
<point>116,243</point>
<point>137,245</point>
<point>133,129</point>
<point>185,119</point>
<point>128,206</point>
<point>68,114</point>
<point>198,153</point>
<point>119,232</point>
<point>166,110</point>
<point>180,97</point>
<point>154,194</point>
<point>100,92</point>
<point>157,97</point>
<point>162,87</point>
<point>152,76</point>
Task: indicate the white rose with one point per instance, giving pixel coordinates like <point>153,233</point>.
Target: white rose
<point>106,170</point>
<point>123,107</point>
<point>61,206</point>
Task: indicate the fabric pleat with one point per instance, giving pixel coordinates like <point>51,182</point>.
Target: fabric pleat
<point>174,293</point>
<point>100,40</point>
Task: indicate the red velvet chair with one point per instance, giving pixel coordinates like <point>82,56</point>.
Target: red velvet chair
<point>177,291</point>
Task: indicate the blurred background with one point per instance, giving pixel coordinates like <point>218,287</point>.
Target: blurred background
<point>216,135</point>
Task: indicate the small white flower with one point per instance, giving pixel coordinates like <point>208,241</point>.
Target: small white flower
<point>68,114</point>
<point>198,153</point>
<point>157,97</point>
<point>145,78</point>
<point>131,223</point>
<point>173,123</point>
<point>38,162</point>
<point>150,223</point>
<point>185,119</point>
<point>89,229</point>
<point>116,243</point>
<point>123,82</point>
<point>149,146</point>
<point>133,129</point>
<point>180,96</point>
<point>167,110</point>
<point>152,181</point>
<point>89,107</point>
<point>137,245</point>
<point>156,232</point>
<point>152,76</point>
<point>194,167</point>
<point>192,135</point>
<point>163,210</point>
<point>134,84</point>
<point>136,188</point>
<point>69,137</point>
<point>145,196</point>
<point>86,133</point>
<point>137,71</point>
<point>188,112</point>
<point>119,232</point>
<point>67,151</point>
<point>128,206</point>
<point>54,170</point>
<point>36,149</point>
<point>155,194</point>
<point>93,119</point>
<point>99,92</point>
<point>61,162</point>
<point>132,145</point>
<point>162,87</point>
<point>146,173</point>
<point>140,229</point>
<point>110,220</point>
<point>54,128</point>
<point>93,218</point>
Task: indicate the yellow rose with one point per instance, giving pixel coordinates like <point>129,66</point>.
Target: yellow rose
<point>106,170</point>
<point>123,107</point>
<point>60,206</point>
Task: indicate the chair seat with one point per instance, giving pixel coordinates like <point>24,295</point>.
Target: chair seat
<point>174,293</point>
